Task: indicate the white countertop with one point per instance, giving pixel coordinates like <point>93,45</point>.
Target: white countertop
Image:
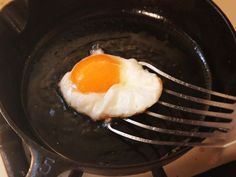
<point>198,159</point>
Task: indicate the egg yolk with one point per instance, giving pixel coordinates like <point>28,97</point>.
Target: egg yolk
<point>96,73</point>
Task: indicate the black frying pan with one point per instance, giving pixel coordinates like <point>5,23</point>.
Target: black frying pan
<point>189,39</point>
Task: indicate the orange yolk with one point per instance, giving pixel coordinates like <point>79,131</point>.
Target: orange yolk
<point>96,73</point>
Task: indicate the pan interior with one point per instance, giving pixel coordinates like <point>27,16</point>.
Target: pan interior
<point>75,136</point>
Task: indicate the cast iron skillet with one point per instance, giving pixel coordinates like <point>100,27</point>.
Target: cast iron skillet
<point>189,39</point>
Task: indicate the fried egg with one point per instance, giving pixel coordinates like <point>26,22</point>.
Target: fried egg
<point>104,86</point>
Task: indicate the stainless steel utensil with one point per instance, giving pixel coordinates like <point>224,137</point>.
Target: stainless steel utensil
<point>225,131</point>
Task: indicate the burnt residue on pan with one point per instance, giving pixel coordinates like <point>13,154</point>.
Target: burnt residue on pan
<point>138,35</point>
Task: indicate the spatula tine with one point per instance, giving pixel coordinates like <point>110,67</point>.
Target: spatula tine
<point>194,87</point>
<point>227,116</point>
<point>202,123</point>
<point>168,143</point>
<point>174,132</point>
<point>218,104</point>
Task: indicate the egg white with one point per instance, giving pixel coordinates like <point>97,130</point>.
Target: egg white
<point>138,90</point>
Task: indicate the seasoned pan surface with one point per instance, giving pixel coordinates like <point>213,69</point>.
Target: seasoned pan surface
<point>137,34</point>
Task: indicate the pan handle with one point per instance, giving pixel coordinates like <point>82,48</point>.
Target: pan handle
<point>15,14</point>
<point>11,151</point>
<point>47,164</point>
